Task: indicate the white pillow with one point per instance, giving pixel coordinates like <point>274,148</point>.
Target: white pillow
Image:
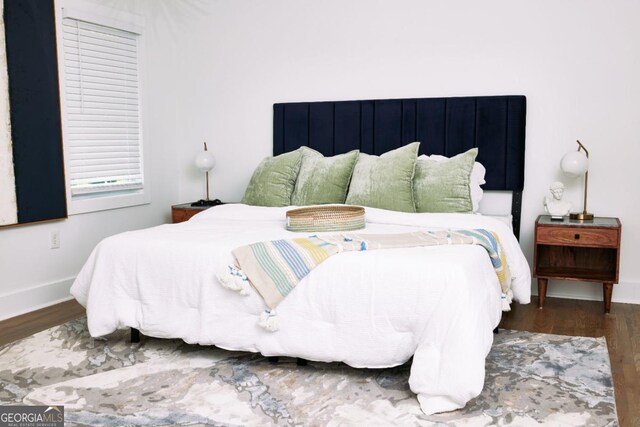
<point>476,180</point>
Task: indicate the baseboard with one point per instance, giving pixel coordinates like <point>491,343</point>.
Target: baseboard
<point>34,298</point>
<point>626,292</point>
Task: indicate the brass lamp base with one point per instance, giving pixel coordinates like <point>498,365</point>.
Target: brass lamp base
<point>582,216</point>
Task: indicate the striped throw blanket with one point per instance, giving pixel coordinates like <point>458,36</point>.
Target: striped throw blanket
<point>275,267</point>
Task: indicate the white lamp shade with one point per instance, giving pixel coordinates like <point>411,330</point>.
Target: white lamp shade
<point>574,164</point>
<point>205,161</point>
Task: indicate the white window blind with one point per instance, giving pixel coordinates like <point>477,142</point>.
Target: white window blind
<point>102,129</point>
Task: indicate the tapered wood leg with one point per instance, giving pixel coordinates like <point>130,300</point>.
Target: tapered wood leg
<point>607,290</point>
<point>542,291</point>
<point>135,335</point>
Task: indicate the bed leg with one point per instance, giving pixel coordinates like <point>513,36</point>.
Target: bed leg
<point>273,359</point>
<point>135,335</point>
<point>496,330</point>
<point>301,362</point>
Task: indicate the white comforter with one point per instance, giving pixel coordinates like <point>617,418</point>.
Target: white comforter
<point>368,309</point>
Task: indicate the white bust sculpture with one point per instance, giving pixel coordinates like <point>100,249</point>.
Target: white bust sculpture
<point>555,206</point>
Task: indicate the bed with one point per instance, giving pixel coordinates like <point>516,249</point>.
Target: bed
<point>370,309</point>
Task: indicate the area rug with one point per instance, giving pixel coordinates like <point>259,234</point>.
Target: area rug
<point>531,379</point>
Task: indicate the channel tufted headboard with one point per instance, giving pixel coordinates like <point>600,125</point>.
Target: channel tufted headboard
<point>446,126</point>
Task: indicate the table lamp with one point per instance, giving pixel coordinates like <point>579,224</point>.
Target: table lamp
<point>574,164</point>
<point>205,161</point>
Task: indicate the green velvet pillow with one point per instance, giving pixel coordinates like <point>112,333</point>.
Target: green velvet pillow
<point>323,179</point>
<point>273,180</point>
<point>443,185</point>
<point>385,182</point>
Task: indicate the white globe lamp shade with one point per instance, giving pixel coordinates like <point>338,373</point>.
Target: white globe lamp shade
<point>205,161</point>
<point>574,164</point>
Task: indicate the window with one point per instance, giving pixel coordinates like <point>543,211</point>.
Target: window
<point>101,108</point>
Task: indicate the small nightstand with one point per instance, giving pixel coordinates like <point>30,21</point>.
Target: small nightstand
<point>577,250</point>
<point>183,212</point>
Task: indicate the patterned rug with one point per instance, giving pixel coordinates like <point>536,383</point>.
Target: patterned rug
<point>531,379</point>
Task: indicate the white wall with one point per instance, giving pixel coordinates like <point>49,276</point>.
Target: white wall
<point>31,274</point>
<point>577,61</point>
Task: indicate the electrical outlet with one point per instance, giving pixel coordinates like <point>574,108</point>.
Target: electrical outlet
<point>54,239</point>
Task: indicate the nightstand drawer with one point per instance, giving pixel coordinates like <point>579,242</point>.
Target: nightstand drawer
<point>180,215</point>
<point>577,236</point>
<point>185,211</point>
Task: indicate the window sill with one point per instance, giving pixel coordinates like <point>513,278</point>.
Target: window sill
<point>103,202</point>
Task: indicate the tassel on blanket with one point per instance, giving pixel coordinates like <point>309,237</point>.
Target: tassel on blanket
<point>506,300</point>
<point>269,320</point>
<point>234,279</point>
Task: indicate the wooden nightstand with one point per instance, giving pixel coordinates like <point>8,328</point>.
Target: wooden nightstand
<point>183,212</point>
<point>576,250</point>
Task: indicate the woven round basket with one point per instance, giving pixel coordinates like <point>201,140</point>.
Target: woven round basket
<point>326,218</point>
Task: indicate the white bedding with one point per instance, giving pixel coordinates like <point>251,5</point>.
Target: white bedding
<point>368,309</point>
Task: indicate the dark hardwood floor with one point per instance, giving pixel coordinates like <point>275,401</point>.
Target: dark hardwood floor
<point>621,328</point>
<point>559,316</point>
<point>28,324</point>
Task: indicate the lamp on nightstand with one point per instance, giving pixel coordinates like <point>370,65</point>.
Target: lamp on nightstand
<point>205,161</point>
<point>574,164</point>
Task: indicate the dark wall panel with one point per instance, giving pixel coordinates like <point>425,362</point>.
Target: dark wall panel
<point>491,131</point>
<point>517,114</point>
<point>35,109</point>
<point>409,116</point>
<point>460,128</point>
<point>321,127</point>
<point>348,126</point>
<point>447,126</point>
<point>431,125</point>
<point>296,134</point>
<point>366,126</point>
<point>387,126</point>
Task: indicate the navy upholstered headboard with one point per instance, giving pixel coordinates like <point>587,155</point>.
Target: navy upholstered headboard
<point>447,126</point>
